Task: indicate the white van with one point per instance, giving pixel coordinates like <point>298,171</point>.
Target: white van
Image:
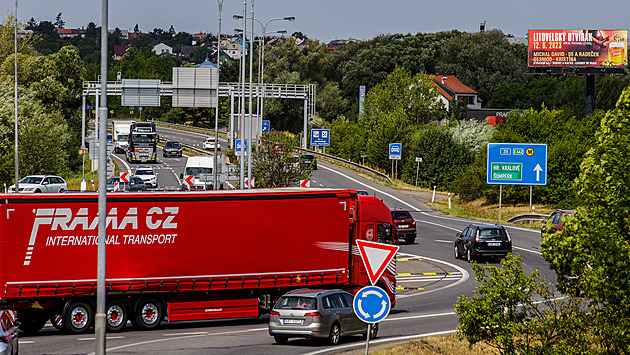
<point>201,168</point>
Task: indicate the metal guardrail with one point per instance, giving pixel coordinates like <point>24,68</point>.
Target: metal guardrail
<point>528,217</point>
<point>349,164</point>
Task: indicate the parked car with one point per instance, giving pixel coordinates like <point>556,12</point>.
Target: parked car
<point>172,149</point>
<point>556,219</point>
<point>405,224</point>
<point>148,175</point>
<point>308,159</point>
<point>316,314</point>
<point>135,184</point>
<point>210,142</point>
<point>482,240</point>
<point>8,333</point>
<point>41,183</point>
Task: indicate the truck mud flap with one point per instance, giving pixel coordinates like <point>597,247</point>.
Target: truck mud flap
<point>200,310</point>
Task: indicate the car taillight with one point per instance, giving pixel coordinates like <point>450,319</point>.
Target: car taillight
<point>413,223</point>
<point>477,236</point>
<point>508,236</point>
<point>313,314</point>
<point>274,313</point>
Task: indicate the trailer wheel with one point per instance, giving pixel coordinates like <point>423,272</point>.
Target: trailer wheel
<point>78,317</point>
<point>32,321</point>
<point>148,314</point>
<point>116,315</point>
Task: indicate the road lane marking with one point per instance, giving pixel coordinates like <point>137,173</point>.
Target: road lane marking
<point>183,337</point>
<point>108,338</point>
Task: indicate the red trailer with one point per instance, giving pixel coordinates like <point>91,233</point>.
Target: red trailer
<point>182,255</point>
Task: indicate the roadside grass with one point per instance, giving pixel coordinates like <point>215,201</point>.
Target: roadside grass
<point>447,344</point>
<point>483,211</point>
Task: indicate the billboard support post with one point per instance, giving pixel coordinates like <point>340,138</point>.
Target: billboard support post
<point>590,94</point>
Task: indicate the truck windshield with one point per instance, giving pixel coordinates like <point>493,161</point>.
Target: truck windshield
<point>144,137</point>
<point>197,171</point>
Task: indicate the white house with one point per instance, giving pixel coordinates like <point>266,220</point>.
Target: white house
<point>451,89</point>
<point>162,49</point>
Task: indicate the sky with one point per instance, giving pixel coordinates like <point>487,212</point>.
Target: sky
<point>327,20</point>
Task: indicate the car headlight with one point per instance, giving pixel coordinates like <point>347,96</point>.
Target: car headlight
<point>29,188</point>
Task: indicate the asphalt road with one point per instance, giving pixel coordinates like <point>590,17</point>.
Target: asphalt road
<point>432,280</point>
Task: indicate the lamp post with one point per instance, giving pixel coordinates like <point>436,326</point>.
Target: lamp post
<point>242,173</point>
<point>17,167</point>
<point>216,110</point>
<point>261,68</point>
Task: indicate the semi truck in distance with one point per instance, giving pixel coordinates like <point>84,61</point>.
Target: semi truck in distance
<point>142,143</point>
<point>182,256</point>
<point>120,131</point>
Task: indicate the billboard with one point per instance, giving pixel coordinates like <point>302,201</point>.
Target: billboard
<point>578,48</point>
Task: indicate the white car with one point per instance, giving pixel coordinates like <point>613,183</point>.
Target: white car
<point>41,183</point>
<point>210,142</point>
<point>148,175</point>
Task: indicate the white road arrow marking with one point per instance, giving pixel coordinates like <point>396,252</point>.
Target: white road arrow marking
<point>366,315</point>
<point>383,308</point>
<point>538,169</point>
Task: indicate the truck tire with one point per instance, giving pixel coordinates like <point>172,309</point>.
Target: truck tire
<point>32,320</point>
<point>78,317</point>
<point>116,315</point>
<point>148,314</point>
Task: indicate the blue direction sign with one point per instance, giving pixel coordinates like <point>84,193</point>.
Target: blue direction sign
<point>266,126</point>
<point>517,164</point>
<point>395,151</point>
<point>320,137</point>
<point>371,304</point>
<point>238,145</point>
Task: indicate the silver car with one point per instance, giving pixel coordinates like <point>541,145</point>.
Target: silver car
<point>316,314</point>
<point>41,183</point>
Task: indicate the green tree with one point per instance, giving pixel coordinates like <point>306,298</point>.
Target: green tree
<point>273,168</point>
<point>520,314</point>
<point>482,61</point>
<point>592,253</point>
<point>43,136</point>
<point>59,23</point>
<point>414,94</point>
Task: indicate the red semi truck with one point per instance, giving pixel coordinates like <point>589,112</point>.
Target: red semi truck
<point>184,255</point>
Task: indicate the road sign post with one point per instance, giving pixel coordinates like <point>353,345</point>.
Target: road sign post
<point>266,126</point>
<point>516,164</point>
<point>395,153</point>
<point>371,305</point>
<point>418,160</point>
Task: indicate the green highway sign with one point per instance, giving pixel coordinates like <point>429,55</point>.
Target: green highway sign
<point>507,171</point>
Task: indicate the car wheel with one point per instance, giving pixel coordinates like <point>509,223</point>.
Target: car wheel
<point>373,331</point>
<point>116,315</point>
<point>78,317</point>
<point>280,339</point>
<point>335,334</point>
<point>62,191</point>
<point>38,191</point>
<point>469,256</point>
<point>456,252</point>
<point>148,314</point>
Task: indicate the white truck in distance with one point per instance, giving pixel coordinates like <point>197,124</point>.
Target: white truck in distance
<point>120,130</point>
<point>201,168</point>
